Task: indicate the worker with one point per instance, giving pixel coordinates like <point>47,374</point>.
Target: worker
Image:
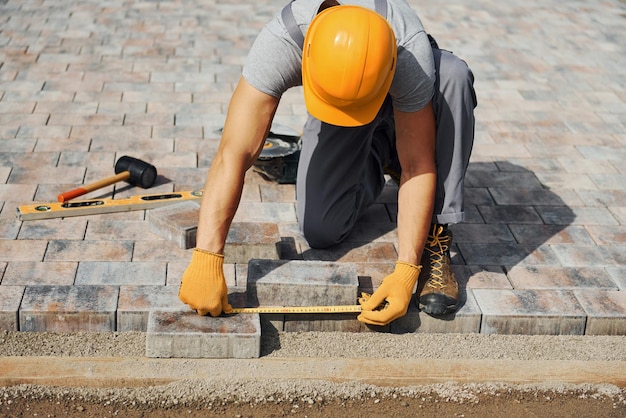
<point>382,99</point>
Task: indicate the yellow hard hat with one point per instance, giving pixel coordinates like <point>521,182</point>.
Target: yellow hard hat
<point>348,63</point>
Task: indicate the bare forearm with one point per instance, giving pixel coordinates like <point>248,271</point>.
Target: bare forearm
<point>222,194</point>
<point>415,203</point>
<point>247,124</point>
<point>415,133</point>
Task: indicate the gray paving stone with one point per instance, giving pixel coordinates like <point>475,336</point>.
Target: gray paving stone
<point>609,181</point>
<point>551,234</point>
<point>278,193</point>
<point>481,233</point>
<point>10,298</point>
<point>566,181</point>
<point>114,273</point>
<point>249,240</point>
<point>529,164</point>
<point>503,150</point>
<point>159,250</point>
<point>301,283</point>
<point>482,277</point>
<point>525,180</point>
<point>608,235</point>
<point>71,228</point>
<point>534,196</point>
<point>347,252</point>
<point>619,213</point>
<point>31,250</point>
<point>79,250</point>
<point>582,256</point>
<point>115,229</point>
<point>245,240</point>
<point>602,153</point>
<point>510,214</point>
<point>550,277</point>
<point>466,320</point>
<point>371,275</point>
<point>276,212</point>
<point>68,308</point>
<point>177,223</point>
<point>34,273</point>
<point>600,198</point>
<point>8,192</point>
<point>336,322</point>
<point>175,333</point>
<point>529,312</point>
<point>136,302</point>
<point>4,174</point>
<point>564,215</point>
<point>478,196</point>
<point>605,309</point>
<point>472,215</point>
<point>507,254</point>
<point>618,274</point>
<point>582,165</point>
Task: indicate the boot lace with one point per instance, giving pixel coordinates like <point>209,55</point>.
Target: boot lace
<point>437,246</point>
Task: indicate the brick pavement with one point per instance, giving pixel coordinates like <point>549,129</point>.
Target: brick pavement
<point>85,82</point>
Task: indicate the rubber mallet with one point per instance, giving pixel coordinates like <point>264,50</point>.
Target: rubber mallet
<point>133,170</point>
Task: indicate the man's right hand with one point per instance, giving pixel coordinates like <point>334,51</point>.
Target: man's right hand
<point>203,285</point>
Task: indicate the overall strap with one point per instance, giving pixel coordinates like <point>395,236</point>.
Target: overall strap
<point>381,7</point>
<point>294,30</point>
<point>292,26</point>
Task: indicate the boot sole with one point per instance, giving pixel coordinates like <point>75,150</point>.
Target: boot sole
<point>437,309</point>
<point>438,305</point>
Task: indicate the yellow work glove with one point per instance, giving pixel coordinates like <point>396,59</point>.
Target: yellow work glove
<point>203,286</point>
<point>396,290</point>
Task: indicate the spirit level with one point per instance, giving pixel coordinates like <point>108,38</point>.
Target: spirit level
<point>98,206</point>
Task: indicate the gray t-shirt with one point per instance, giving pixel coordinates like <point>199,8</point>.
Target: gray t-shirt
<point>274,62</point>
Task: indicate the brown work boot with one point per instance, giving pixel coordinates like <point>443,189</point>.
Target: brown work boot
<point>438,289</point>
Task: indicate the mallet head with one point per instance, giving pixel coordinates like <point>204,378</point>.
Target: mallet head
<point>142,174</point>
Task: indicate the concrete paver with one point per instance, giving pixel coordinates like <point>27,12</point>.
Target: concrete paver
<point>136,301</point>
<point>177,223</point>
<point>554,312</point>
<point>84,82</point>
<point>186,334</point>
<point>68,308</point>
<point>301,283</point>
<point>10,299</point>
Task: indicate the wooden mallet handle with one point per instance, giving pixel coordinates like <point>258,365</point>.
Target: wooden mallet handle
<point>72,194</point>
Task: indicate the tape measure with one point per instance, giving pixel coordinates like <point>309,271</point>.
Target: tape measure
<point>299,309</point>
<point>98,206</point>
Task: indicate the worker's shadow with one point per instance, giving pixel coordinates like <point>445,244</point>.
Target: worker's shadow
<point>510,219</point>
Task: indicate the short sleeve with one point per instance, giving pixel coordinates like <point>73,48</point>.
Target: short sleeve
<point>274,62</point>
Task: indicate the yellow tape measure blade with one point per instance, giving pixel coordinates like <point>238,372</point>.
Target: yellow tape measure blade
<point>300,309</point>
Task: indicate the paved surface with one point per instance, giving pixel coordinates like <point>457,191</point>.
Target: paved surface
<point>85,82</point>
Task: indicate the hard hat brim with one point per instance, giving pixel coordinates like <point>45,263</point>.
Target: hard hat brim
<point>356,115</point>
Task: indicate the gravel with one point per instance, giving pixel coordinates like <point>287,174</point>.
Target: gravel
<point>338,344</point>
<point>215,392</point>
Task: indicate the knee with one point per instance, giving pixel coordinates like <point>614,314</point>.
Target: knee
<point>456,81</point>
<point>320,233</point>
<point>455,72</point>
